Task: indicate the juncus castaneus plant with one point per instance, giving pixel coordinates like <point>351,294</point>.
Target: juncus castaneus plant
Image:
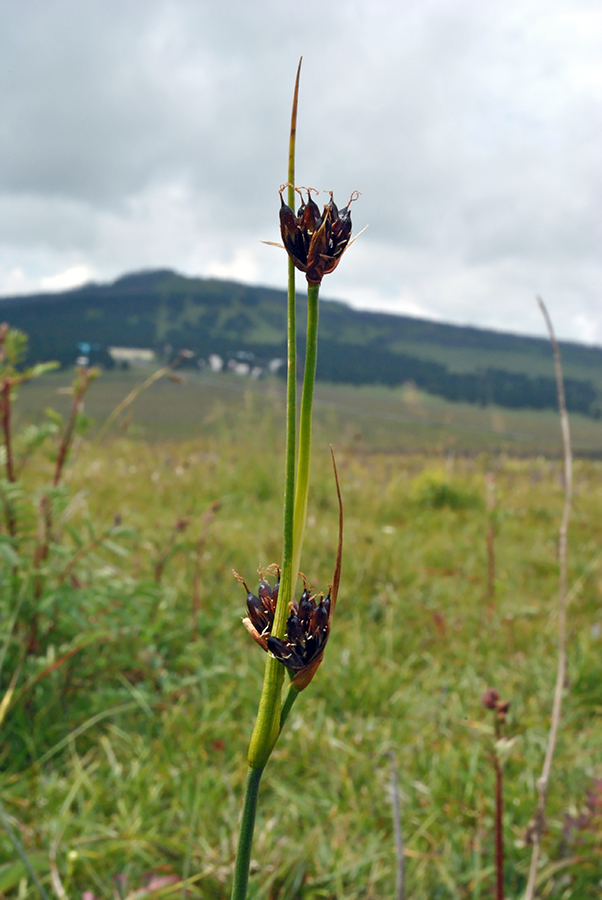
<point>294,634</point>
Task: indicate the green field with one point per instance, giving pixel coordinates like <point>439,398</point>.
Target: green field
<point>124,742</point>
<point>367,419</point>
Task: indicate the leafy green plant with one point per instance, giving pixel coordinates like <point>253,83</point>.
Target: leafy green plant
<point>437,491</point>
<point>42,553</point>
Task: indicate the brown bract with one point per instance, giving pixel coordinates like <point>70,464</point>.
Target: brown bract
<point>315,241</point>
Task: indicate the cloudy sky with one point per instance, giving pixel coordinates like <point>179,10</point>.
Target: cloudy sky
<point>153,133</point>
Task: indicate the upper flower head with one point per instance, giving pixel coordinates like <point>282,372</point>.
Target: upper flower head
<point>315,241</point>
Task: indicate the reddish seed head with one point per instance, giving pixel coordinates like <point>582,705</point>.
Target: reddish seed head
<point>315,241</point>
<point>490,698</point>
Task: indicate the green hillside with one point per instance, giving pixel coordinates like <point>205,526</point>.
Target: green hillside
<point>168,312</point>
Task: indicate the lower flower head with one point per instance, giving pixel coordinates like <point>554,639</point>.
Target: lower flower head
<point>307,628</point>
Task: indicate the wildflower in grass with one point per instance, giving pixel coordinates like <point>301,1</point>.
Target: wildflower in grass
<point>492,700</point>
<point>315,241</point>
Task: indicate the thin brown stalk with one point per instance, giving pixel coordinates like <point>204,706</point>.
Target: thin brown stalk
<point>499,828</point>
<point>79,391</point>
<point>136,391</point>
<point>490,483</point>
<point>400,859</point>
<point>6,400</point>
<point>40,555</point>
<point>48,670</point>
<point>537,825</point>
<point>196,584</point>
<point>7,385</point>
<point>163,558</point>
<point>42,549</point>
<point>83,552</point>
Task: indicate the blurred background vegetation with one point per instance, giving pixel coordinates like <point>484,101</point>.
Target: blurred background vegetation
<point>126,730</point>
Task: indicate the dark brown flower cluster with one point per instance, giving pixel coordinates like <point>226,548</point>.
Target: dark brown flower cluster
<point>307,628</point>
<point>315,241</point>
<point>492,700</point>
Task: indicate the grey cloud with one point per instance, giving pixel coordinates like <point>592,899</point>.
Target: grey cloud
<point>156,133</point>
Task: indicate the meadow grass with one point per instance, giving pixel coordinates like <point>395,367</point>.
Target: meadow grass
<point>367,418</point>
<point>125,759</point>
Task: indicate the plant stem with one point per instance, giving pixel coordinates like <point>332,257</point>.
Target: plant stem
<point>305,421</point>
<point>22,854</point>
<point>289,573</point>
<point>6,409</point>
<point>537,827</point>
<point>136,391</point>
<point>245,839</point>
<point>490,484</point>
<point>285,591</point>
<point>11,522</point>
<point>79,391</point>
<point>499,834</point>
<point>400,869</point>
<point>247,824</point>
<point>291,696</point>
<point>270,716</point>
<point>267,726</point>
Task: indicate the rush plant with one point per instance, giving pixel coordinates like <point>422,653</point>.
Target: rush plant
<point>294,634</point>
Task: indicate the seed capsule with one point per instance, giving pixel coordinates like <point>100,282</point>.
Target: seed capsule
<point>307,627</point>
<point>315,242</point>
<point>308,624</point>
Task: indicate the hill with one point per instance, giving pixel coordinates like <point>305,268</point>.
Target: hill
<point>167,312</point>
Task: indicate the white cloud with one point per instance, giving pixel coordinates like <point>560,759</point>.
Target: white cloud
<point>242,266</point>
<point>70,278</point>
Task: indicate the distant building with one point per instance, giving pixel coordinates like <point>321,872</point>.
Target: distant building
<point>243,363</point>
<point>133,356</point>
<point>216,363</point>
<point>239,368</point>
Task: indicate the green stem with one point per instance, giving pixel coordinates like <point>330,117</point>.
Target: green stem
<point>305,418</point>
<point>291,696</point>
<point>269,715</point>
<point>245,839</point>
<point>22,854</point>
<point>288,574</point>
<point>267,725</point>
<point>285,592</point>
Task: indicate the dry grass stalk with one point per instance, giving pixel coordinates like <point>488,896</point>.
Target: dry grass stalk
<point>491,504</point>
<point>537,825</point>
<point>400,858</point>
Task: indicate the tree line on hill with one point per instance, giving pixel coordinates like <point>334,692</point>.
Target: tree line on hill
<point>514,390</point>
<point>167,312</point>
